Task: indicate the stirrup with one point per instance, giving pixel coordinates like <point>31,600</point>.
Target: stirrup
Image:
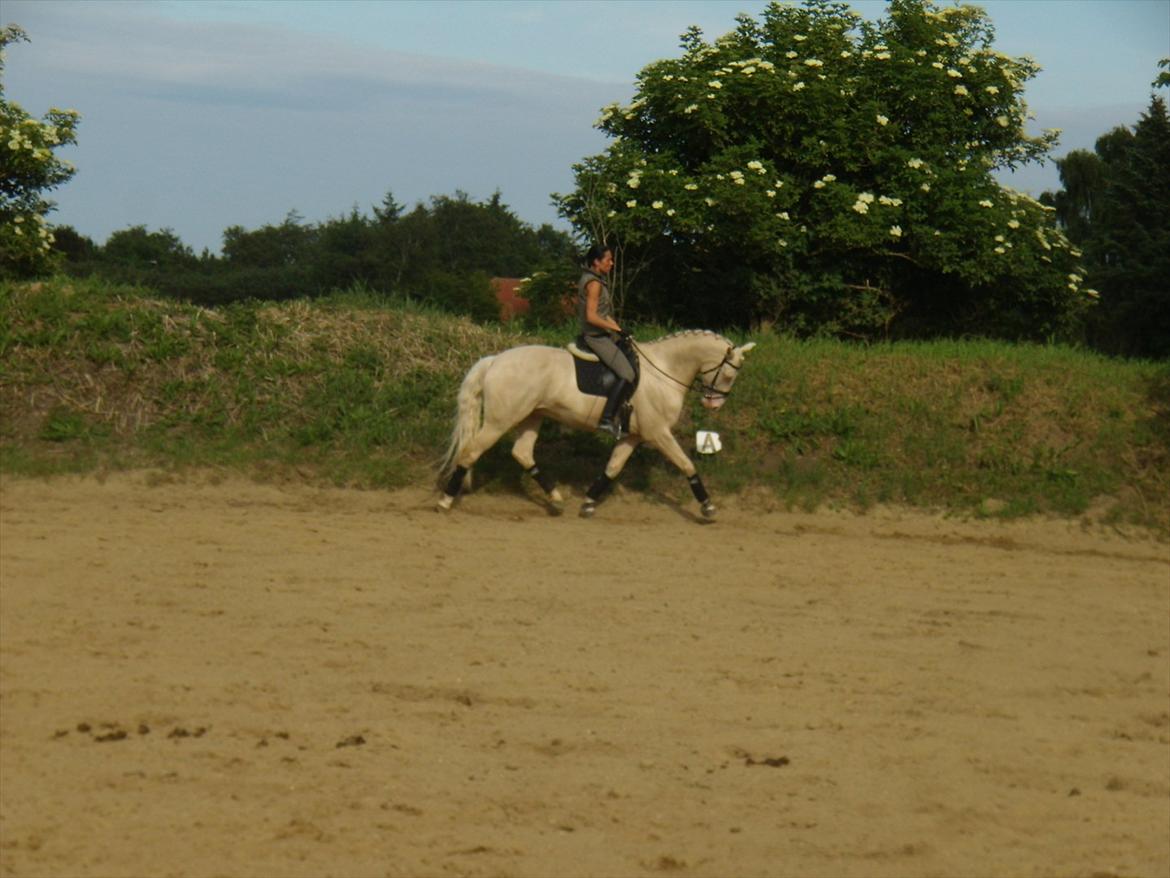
<point>612,427</point>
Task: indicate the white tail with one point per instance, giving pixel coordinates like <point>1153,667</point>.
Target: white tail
<point>467,415</point>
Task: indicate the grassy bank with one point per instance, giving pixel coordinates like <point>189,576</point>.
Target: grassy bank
<point>345,391</point>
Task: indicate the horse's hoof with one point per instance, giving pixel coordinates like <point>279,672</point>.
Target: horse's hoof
<point>588,509</point>
<point>445,503</point>
<point>708,511</point>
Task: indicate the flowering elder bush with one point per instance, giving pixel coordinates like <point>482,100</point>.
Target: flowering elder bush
<point>833,174</point>
<point>28,167</point>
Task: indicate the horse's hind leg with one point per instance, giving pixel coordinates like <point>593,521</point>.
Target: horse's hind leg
<point>488,436</point>
<point>524,448</point>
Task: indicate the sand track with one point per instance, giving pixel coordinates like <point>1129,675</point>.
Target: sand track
<point>203,679</point>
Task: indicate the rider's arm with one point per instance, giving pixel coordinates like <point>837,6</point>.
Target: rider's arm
<point>592,294</point>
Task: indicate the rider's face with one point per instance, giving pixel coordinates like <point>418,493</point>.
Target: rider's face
<point>605,264</point>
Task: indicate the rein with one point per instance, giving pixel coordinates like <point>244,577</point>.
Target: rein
<point>708,389</point>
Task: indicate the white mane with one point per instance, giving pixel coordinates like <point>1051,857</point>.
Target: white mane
<point>689,332</point>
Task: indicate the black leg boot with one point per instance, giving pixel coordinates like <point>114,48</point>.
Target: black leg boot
<point>610,423</point>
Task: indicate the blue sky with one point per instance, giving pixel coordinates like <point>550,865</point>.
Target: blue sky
<point>201,115</point>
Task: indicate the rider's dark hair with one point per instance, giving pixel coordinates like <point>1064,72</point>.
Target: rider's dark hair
<point>594,253</point>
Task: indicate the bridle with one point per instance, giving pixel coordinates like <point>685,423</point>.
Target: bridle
<point>708,389</point>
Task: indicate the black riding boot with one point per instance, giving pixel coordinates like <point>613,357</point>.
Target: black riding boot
<point>610,420</point>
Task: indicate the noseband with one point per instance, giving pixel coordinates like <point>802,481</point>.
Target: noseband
<point>709,390</point>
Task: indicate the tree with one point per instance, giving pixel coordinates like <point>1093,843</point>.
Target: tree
<point>344,252</point>
<point>1162,80</point>
<point>136,247</point>
<point>1082,174</point>
<point>1128,244</point>
<point>833,175</point>
<point>281,246</point>
<point>74,246</point>
<point>29,168</point>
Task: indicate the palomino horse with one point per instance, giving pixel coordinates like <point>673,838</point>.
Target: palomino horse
<point>522,386</point>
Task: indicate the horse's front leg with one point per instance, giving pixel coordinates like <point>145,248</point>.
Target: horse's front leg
<point>617,461</point>
<point>668,445</point>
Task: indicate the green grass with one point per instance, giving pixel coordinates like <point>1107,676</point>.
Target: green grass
<point>350,391</point>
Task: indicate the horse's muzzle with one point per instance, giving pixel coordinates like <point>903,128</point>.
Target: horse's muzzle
<point>712,402</point>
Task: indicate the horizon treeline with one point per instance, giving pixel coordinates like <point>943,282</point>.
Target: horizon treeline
<point>442,253</point>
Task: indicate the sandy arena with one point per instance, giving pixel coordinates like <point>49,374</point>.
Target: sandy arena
<point>202,678</point>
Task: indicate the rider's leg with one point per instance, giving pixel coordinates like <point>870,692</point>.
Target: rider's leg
<point>611,355</point>
<point>609,415</point>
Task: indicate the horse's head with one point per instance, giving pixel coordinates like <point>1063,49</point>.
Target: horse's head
<point>717,380</point>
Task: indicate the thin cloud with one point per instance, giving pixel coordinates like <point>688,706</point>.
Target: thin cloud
<point>180,58</point>
<point>197,126</point>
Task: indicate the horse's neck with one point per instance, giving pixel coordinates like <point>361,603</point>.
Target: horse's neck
<point>687,354</point>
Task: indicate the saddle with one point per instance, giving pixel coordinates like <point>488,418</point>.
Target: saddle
<point>594,378</point>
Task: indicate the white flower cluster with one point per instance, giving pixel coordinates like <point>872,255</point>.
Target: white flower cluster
<point>749,66</point>
<point>35,140</point>
<point>607,113</point>
<point>865,199</point>
<point>26,135</point>
<point>39,230</point>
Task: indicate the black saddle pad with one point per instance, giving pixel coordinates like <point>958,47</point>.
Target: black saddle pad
<point>596,379</point>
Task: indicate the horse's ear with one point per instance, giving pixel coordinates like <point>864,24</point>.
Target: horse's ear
<point>747,347</point>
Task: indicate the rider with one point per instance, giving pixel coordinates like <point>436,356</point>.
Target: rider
<point>601,331</point>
